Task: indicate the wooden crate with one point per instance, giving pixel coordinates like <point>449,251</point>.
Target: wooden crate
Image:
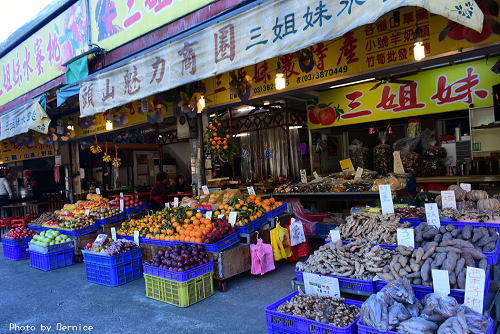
<point>150,251</point>
<point>231,262</point>
<point>80,243</point>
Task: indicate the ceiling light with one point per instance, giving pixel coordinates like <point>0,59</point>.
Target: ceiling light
<point>418,48</point>
<point>201,101</point>
<point>352,83</point>
<point>109,125</point>
<point>279,81</point>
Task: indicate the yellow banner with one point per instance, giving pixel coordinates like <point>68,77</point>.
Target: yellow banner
<point>116,22</point>
<point>39,58</point>
<point>24,147</point>
<point>130,114</point>
<point>434,91</point>
<point>372,46</point>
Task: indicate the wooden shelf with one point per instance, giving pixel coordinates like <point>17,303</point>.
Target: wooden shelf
<point>459,179</point>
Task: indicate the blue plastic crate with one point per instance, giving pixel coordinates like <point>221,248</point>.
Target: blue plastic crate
<point>346,283</point>
<point>110,220</point>
<point>324,229</point>
<point>158,242</point>
<point>216,246</point>
<point>16,253</point>
<point>38,228</point>
<point>252,226</point>
<point>16,242</point>
<point>51,248</point>
<point>363,329</point>
<point>414,221</point>
<point>113,275</point>
<point>78,233</point>
<point>278,322</point>
<point>137,208</point>
<point>52,260</point>
<point>106,260</point>
<point>178,276</point>
<point>278,211</point>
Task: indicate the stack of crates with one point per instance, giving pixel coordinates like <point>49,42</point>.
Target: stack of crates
<point>16,249</point>
<point>181,289</point>
<point>51,257</point>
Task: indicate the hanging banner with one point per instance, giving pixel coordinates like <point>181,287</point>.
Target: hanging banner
<point>29,116</point>
<point>24,147</point>
<point>244,39</point>
<point>433,91</point>
<point>370,47</point>
<point>39,58</point>
<point>116,22</point>
<point>133,113</point>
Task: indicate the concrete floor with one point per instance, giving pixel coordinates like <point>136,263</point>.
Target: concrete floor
<point>33,297</point>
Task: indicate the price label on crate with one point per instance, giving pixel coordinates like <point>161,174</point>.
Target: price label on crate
<point>334,235</point>
<point>100,239</point>
<point>474,288</point>
<point>406,237</point>
<point>346,165</point>
<point>251,190</point>
<point>208,215</point>
<point>448,199</point>
<point>113,233</point>
<point>232,217</point>
<point>359,173</point>
<point>167,204</point>
<point>98,191</point>
<point>176,202</point>
<point>303,176</point>
<point>136,237</point>
<point>466,186</point>
<point>432,215</point>
<point>315,174</point>
<point>385,193</point>
<point>205,190</point>
<point>321,285</point>
<point>87,212</point>
<point>220,216</point>
<point>441,281</point>
<point>122,205</point>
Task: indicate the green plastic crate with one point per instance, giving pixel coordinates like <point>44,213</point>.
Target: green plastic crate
<point>181,294</point>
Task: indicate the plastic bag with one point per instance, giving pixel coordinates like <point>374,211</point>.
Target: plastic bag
<point>438,307</point>
<point>360,155</point>
<point>374,313</point>
<point>417,325</point>
<point>427,138</point>
<point>397,313</point>
<point>401,291</point>
<point>454,325</point>
<point>477,323</point>
<point>297,235</point>
<point>280,240</point>
<point>382,155</point>
<point>300,213</point>
<point>301,249</point>
<point>262,258</point>
<point>410,159</point>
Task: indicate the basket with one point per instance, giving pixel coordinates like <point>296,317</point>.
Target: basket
<point>53,260</point>
<point>178,276</point>
<point>137,208</point>
<point>158,242</point>
<point>16,253</point>
<point>78,233</point>
<point>50,248</point>
<point>16,242</point>
<point>114,260</point>
<point>278,322</point>
<point>38,228</point>
<point>181,294</point>
<point>324,229</point>
<point>252,226</point>
<point>112,275</point>
<point>364,329</point>
<point>346,283</point>
<point>278,211</point>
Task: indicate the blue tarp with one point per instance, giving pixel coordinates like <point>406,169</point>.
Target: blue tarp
<point>66,92</point>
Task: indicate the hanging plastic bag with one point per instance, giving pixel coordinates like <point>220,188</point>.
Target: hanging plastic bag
<point>300,250</point>
<point>297,235</point>
<point>280,240</point>
<point>262,258</point>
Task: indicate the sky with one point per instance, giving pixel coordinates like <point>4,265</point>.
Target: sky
<point>15,13</point>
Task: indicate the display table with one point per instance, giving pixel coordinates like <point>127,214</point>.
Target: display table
<point>22,209</point>
<point>459,179</point>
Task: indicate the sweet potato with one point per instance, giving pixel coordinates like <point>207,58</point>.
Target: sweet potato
<point>442,229</point>
<point>459,243</point>
<point>446,236</point>
<point>414,265</point>
<point>429,245</point>
<point>385,276</point>
<point>448,249</point>
<point>455,233</point>
<point>469,260</point>
<point>428,253</point>
<point>417,281</point>
<point>418,256</point>
<point>490,247</point>
<point>476,255</point>
<point>467,232</point>
<point>438,237</point>
<point>430,233</point>
<point>450,228</point>
<point>461,279</point>
<point>425,271</point>
<point>440,259</point>
<point>450,262</point>
<point>483,264</point>
<point>460,265</point>
<point>453,278</point>
<point>486,239</point>
<point>414,275</point>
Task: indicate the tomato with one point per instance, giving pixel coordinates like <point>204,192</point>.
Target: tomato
<point>327,116</point>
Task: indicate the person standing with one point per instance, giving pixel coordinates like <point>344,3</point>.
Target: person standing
<point>5,192</point>
<point>160,191</point>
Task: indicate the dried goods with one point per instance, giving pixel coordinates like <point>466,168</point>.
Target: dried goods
<point>322,309</point>
<point>488,204</point>
<point>360,155</point>
<point>411,161</point>
<point>434,152</point>
<point>46,216</point>
<point>409,212</point>
<point>459,192</point>
<point>432,167</point>
<point>476,195</point>
<point>466,205</point>
<point>383,158</point>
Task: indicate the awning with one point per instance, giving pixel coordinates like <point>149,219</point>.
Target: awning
<point>254,33</point>
<point>28,116</point>
<point>66,92</point>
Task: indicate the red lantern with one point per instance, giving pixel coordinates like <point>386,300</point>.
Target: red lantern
<point>372,130</point>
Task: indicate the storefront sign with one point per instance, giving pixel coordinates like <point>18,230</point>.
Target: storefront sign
<point>127,115</point>
<point>434,91</point>
<point>373,46</point>
<point>116,22</point>
<point>24,147</point>
<point>269,29</point>
<point>28,116</point>
<point>39,58</point>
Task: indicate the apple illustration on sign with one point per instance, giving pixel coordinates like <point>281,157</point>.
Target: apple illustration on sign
<point>320,113</point>
<point>459,32</point>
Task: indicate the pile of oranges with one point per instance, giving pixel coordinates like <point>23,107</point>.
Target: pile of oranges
<point>219,140</point>
<point>251,208</point>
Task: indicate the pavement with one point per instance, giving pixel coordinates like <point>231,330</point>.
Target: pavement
<point>37,299</point>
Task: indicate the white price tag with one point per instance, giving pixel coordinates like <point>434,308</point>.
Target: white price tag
<point>136,237</point>
<point>121,195</point>
<point>220,216</point>
<point>303,176</point>
<point>406,237</point>
<point>251,190</point>
<point>98,191</point>
<point>359,173</point>
<point>321,285</point>
<point>474,289</point>
<point>232,217</point>
<point>385,193</point>
<point>176,202</point>
<point>466,186</point>
<point>205,190</point>
<point>87,212</point>
<point>448,199</point>
<point>432,214</point>
<point>208,215</point>
<point>441,281</point>
<point>316,176</point>
<point>167,204</point>
<point>113,233</point>
<point>334,235</point>
<point>122,205</point>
